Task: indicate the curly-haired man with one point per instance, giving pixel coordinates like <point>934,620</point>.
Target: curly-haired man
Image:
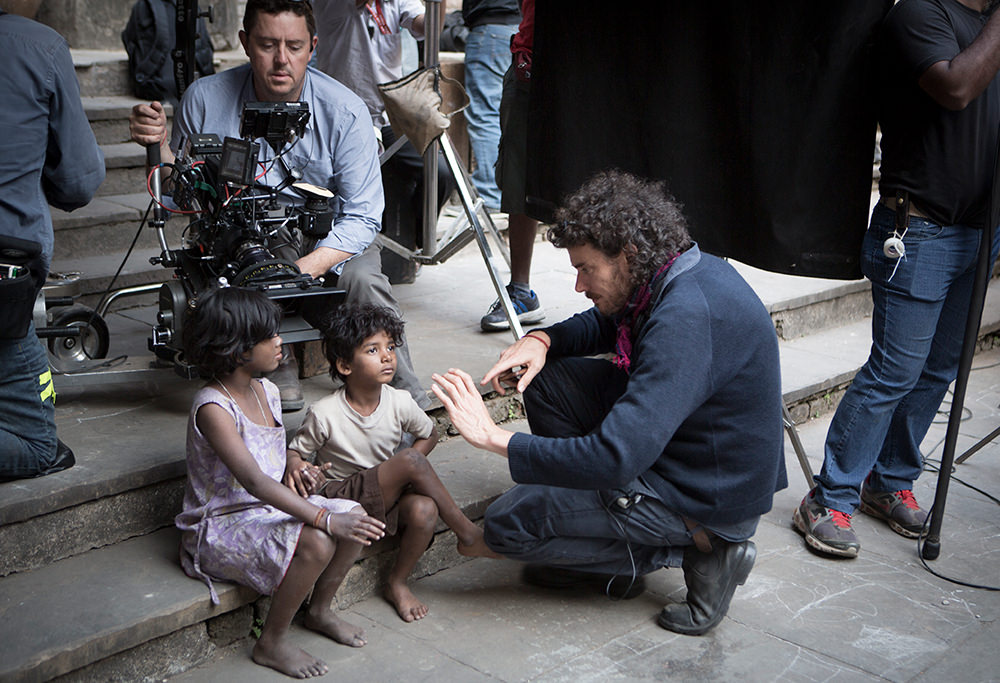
<point>665,455</point>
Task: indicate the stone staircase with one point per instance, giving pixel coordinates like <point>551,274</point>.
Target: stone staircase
<point>90,586</point>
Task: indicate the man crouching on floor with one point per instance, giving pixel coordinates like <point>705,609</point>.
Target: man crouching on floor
<point>665,455</point>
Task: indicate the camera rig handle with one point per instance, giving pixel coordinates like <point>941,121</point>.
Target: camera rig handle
<point>159,218</point>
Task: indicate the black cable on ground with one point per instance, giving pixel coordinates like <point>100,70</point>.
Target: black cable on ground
<point>934,466</point>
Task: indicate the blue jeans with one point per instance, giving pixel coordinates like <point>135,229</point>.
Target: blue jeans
<point>487,56</point>
<point>917,328</point>
<point>27,408</point>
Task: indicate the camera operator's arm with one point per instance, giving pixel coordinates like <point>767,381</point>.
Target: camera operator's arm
<point>321,260</point>
<point>147,125</point>
<point>357,182</point>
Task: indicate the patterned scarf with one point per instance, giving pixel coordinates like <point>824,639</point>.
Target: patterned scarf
<point>629,317</point>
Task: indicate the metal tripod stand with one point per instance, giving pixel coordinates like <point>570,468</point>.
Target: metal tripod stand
<point>477,221</point>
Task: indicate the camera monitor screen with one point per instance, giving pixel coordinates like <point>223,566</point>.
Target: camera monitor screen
<point>239,157</point>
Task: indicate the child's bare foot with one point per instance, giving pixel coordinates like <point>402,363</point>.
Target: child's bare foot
<point>332,626</point>
<point>475,546</point>
<point>405,602</point>
<point>292,661</point>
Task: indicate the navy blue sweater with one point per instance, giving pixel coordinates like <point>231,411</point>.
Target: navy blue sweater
<point>700,418</point>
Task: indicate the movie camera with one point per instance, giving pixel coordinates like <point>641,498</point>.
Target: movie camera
<point>234,221</point>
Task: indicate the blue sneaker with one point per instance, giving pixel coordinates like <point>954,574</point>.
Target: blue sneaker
<point>528,310</point>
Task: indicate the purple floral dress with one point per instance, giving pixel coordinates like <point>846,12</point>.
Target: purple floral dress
<point>227,534</point>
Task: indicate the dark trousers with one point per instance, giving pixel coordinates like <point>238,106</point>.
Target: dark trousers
<point>584,529</point>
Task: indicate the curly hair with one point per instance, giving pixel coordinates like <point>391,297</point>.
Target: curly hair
<point>349,326</point>
<point>224,325</point>
<point>616,211</point>
<point>303,8</point>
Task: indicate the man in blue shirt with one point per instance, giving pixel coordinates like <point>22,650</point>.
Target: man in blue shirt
<point>666,455</point>
<point>48,155</point>
<point>338,151</point>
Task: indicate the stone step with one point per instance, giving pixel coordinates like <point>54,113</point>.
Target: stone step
<point>125,483</point>
<point>125,169</point>
<point>104,73</point>
<point>128,605</point>
<point>107,226</point>
<point>800,306</point>
<point>108,116</point>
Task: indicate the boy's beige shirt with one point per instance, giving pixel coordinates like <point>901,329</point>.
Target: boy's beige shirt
<point>337,434</point>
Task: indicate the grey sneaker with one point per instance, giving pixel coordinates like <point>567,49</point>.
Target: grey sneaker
<point>898,508</point>
<point>528,310</point>
<point>826,530</point>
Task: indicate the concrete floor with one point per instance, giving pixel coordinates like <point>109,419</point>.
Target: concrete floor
<point>800,617</point>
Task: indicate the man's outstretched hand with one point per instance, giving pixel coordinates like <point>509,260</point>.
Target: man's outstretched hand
<point>519,363</point>
<point>460,396</point>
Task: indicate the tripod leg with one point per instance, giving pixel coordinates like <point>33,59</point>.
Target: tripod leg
<point>466,192</point>
<point>982,442</point>
<point>800,452</point>
<point>931,548</point>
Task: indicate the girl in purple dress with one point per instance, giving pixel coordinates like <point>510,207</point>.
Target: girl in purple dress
<point>240,523</point>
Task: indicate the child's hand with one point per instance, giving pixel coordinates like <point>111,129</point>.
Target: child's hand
<point>355,526</point>
<point>304,478</point>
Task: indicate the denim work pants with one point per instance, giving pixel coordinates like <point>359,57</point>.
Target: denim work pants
<point>27,408</point>
<point>917,329</point>
<point>487,56</point>
<point>587,530</point>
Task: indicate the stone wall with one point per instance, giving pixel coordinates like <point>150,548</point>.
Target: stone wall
<point>97,24</point>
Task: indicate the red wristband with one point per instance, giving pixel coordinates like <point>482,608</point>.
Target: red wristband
<point>537,338</point>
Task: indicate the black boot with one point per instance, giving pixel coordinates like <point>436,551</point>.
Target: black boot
<point>617,587</point>
<point>711,579</point>
<point>63,461</point>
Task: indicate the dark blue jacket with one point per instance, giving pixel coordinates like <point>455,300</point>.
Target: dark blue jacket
<point>700,418</point>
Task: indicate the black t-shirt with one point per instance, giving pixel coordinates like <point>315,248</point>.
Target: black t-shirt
<point>476,12</point>
<point>943,158</point>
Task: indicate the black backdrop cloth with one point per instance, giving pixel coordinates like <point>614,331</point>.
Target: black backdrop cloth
<point>760,116</point>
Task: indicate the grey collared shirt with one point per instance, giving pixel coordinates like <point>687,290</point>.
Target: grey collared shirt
<point>338,150</point>
<point>352,50</point>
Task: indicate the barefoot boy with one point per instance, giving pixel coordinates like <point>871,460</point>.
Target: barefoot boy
<point>355,433</point>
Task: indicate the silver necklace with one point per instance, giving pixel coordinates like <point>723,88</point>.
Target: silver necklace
<point>259,405</point>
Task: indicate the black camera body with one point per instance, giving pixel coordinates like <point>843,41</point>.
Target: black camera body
<point>234,219</point>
